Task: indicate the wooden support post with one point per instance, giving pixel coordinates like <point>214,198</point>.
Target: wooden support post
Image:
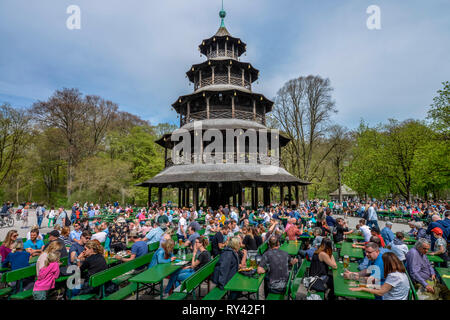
<point>160,195</point>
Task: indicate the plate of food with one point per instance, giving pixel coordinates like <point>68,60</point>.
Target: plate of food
<point>246,269</point>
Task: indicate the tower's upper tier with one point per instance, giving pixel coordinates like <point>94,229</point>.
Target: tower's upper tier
<point>222,46</point>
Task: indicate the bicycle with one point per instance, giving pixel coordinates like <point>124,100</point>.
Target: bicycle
<point>6,221</point>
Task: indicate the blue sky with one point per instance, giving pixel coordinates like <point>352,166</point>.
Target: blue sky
<point>136,52</point>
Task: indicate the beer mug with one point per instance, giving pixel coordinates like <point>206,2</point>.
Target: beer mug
<point>346,261</point>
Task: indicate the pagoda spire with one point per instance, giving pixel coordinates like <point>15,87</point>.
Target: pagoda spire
<point>222,15</point>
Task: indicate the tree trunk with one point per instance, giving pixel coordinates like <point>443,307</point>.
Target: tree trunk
<point>17,191</point>
<point>340,185</point>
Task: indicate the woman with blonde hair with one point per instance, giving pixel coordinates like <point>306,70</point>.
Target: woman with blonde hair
<point>47,275</point>
<point>228,265</point>
<point>7,244</point>
<point>90,262</point>
<point>54,246</point>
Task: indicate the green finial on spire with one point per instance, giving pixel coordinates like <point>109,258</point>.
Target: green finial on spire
<point>222,15</point>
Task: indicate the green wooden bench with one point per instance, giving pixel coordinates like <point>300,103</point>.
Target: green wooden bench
<point>215,294</point>
<point>297,281</point>
<point>19,275</point>
<point>189,285</point>
<point>153,246</point>
<point>262,248</point>
<point>116,272</point>
<point>282,296</point>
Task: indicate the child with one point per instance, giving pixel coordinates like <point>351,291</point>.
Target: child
<point>18,258</point>
<point>47,276</point>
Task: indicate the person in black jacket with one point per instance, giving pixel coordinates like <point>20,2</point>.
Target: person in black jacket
<point>227,266</point>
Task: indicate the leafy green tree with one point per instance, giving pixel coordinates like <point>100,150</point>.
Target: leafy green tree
<point>439,112</point>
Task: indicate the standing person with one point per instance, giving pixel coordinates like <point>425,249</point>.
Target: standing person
<point>372,216</point>
<point>61,219</point>
<point>276,263</point>
<point>51,217</point>
<point>8,243</point>
<point>24,217</point>
<point>396,286</point>
<point>40,211</point>
<point>47,276</point>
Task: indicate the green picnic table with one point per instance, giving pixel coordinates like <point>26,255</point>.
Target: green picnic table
<point>444,273</point>
<point>354,236</point>
<point>436,259</point>
<point>348,250</point>
<point>154,275</point>
<point>243,283</point>
<point>34,259</point>
<point>342,286</point>
<point>291,247</point>
<point>409,239</point>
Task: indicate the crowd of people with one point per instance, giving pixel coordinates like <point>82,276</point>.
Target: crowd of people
<point>234,234</point>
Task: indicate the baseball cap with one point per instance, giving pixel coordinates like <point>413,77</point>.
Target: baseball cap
<point>437,231</point>
<point>55,233</point>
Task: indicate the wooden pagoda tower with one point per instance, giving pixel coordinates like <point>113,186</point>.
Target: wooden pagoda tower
<point>223,99</point>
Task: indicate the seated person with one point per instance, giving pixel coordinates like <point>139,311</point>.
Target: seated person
<point>372,251</point>
<point>396,285</point>
<point>440,246</point>
<point>90,262</point>
<point>99,234</point>
<point>340,229</point>
<point>321,260</point>
<point>398,247</point>
<point>34,246</point>
<point>365,262</point>
<point>77,248</point>
<point>200,257</point>
<point>227,266</point>
<point>53,236</point>
<point>138,249</point>
<point>422,272</point>
<point>18,259</point>
<point>193,234</point>
<point>275,262</point>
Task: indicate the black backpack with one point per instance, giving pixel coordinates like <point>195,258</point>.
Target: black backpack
<point>67,222</point>
<point>366,215</point>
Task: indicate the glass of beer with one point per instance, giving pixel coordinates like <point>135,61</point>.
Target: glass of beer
<point>180,242</point>
<point>346,262</point>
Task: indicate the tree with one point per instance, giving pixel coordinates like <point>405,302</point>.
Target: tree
<point>13,138</point>
<point>66,111</point>
<point>303,107</point>
<point>340,139</point>
<point>439,112</point>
